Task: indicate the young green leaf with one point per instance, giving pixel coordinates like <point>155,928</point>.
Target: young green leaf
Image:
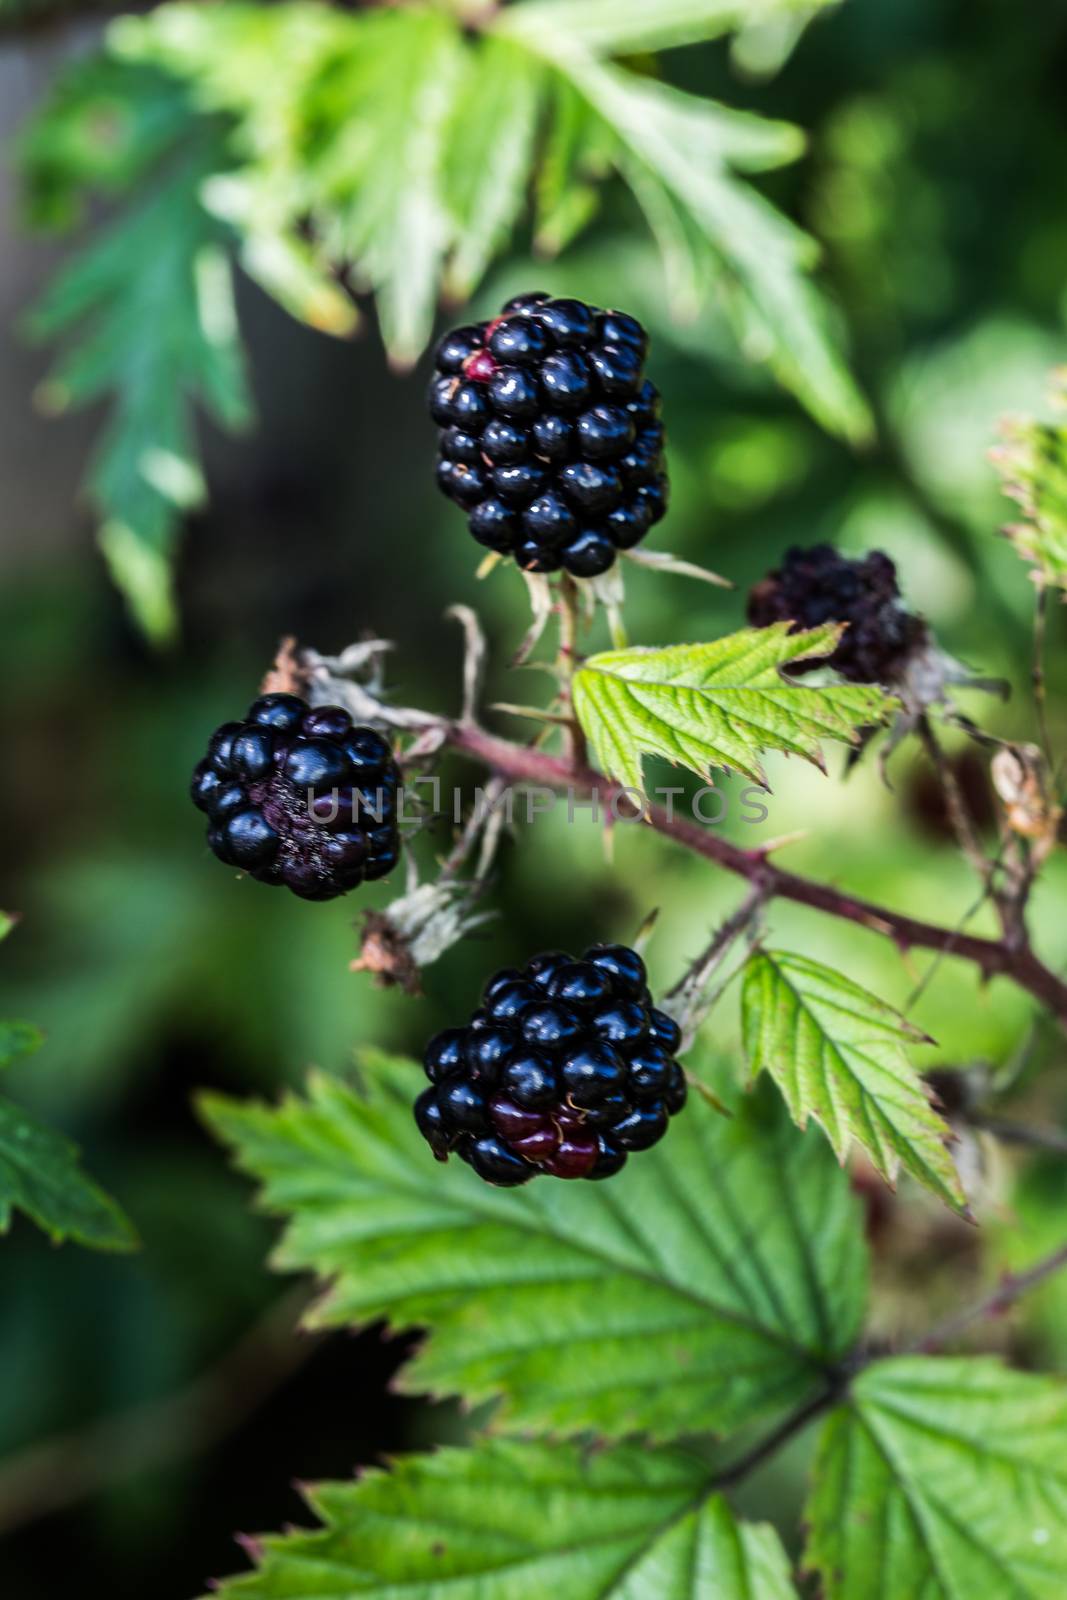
<point>150,305</point>
<point>684,1294</point>
<point>718,704</point>
<point>945,1478</point>
<point>393,98</point>
<point>488,154</point>
<point>627,27</point>
<point>1032,463</point>
<point>40,1174</point>
<point>837,1054</point>
<point>506,1521</point>
<point>679,153</point>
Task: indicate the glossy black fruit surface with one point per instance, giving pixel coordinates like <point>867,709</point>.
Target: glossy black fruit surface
<point>565,1069</point>
<point>545,411</point>
<point>299,797</point>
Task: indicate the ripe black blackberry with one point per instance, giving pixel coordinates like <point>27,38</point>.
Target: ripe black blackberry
<point>300,797</point>
<point>564,1069</point>
<point>821,585</point>
<point>550,434</point>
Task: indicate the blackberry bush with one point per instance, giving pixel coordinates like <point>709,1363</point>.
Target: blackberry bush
<point>300,797</point>
<point>564,1069</point>
<point>821,585</point>
<point>550,434</point>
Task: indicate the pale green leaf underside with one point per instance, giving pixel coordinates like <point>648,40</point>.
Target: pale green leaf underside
<point>685,1294</point>
<point>837,1054</point>
<point>1032,462</point>
<point>40,1175</point>
<point>506,1521</point>
<point>621,27</point>
<point>943,1479</point>
<point>716,705</point>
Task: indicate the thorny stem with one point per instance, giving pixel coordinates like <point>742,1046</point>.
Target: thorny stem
<point>1012,1287</point>
<point>566,661</point>
<point>691,1003</point>
<point>1037,671</point>
<point>992,957</point>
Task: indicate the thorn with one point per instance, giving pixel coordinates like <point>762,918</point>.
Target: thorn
<point>252,1547</point>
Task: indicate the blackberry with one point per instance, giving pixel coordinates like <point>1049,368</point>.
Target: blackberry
<point>300,797</point>
<point>821,585</point>
<point>564,1069</point>
<point>550,435</point>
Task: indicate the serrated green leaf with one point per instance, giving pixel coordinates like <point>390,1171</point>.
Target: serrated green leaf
<point>837,1054</point>
<point>18,1039</point>
<point>579,152</point>
<point>149,305</point>
<point>945,1479</point>
<point>1032,463</point>
<point>687,1291</point>
<point>387,166</point>
<point>507,1521</point>
<point>40,1174</point>
<point>627,27</point>
<point>488,154</point>
<point>716,705</point>
<point>744,250</point>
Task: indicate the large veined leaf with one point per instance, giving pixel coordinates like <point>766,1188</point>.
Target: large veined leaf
<point>945,1479</point>
<point>40,1175</point>
<point>838,1055</point>
<point>1032,462</point>
<point>716,705</point>
<point>151,304</point>
<point>685,1294</point>
<point>507,1521</point>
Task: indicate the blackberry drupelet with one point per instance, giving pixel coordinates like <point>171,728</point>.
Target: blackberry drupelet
<point>300,797</point>
<point>550,434</point>
<point>821,585</point>
<point>564,1069</point>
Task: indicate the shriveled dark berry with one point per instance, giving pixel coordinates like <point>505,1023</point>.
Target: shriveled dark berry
<point>820,585</point>
<point>300,798</point>
<point>545,411</point>
<point>565,1068</point>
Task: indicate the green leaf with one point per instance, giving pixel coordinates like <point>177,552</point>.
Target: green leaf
<point>678,153</point>
<point>398,93</point>
<point>150,303</point>
<point>1032,463</point>
<point>18,1039</point>
<point>686,1293</point>
<point>717,704</point>
<point>579,153</point>
<point>40,1175</point>
<point>945,1479</point>
<point>7,923</point>
<point>489,151</point>
<point>837,1054</point>
<point>509,1521</point>
<point>627,27</point>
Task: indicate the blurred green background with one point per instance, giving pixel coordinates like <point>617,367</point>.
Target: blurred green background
<point>935,183</point>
